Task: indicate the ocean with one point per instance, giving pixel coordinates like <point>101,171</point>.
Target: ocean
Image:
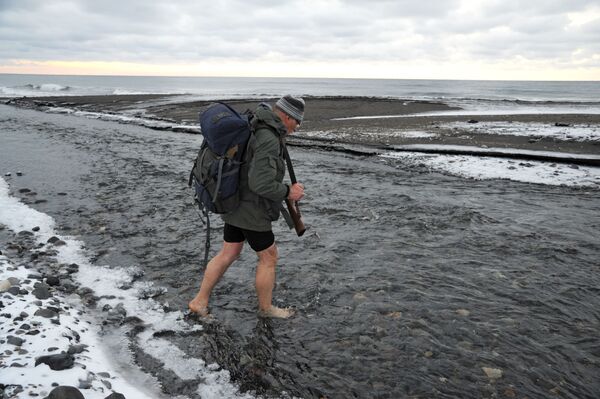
<point>539,96</point>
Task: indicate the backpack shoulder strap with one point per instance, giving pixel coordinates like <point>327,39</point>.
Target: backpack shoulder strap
<point>288,162</point>
<point>191,178</point>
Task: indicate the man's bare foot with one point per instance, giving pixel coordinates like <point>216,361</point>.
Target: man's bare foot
<point>198,308</point>
<point>278,313</point>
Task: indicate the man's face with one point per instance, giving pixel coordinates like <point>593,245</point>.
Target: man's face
<point>290,123</point>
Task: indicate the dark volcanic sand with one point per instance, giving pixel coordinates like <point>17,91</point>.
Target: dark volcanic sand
<point>320,112</point>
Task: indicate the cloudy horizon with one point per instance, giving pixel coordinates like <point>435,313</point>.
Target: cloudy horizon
<point>452,39</point>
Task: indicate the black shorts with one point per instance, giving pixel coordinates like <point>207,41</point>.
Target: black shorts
<point>258,240</point>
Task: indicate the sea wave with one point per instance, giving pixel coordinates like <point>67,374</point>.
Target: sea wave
<point>37,90</point>
<point>49,87</point>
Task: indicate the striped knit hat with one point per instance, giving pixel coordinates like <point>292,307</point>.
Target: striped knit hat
<point>293,106</point>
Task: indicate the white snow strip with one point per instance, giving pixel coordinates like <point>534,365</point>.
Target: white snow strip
<point>216,382</point>
<point>365,133</point>
<point>507,111</point>
<point>576,132</point>
<point>484,168</point>
<point>123,118</point>
<point>498,150</point>
<point>89,365</point>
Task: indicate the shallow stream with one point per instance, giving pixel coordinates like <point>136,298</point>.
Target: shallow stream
<point>408,283</point>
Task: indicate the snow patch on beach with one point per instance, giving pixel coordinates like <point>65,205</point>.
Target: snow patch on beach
<point>17,216</point>
<point>575,132</point>
<point>485,168</point>
<point>413,134</point>
<point>128,119</point>
<point>353,133</point>
<point>99,370</point>
<point>92,367</point>
<point>497,109</point>
<point>216,381</point>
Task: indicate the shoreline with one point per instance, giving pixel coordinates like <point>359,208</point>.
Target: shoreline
<point>364,121</point>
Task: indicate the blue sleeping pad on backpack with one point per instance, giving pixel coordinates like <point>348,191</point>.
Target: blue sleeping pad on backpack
<point>223,128</point>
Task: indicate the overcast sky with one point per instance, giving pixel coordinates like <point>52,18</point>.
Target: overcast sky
<point>487,39</point>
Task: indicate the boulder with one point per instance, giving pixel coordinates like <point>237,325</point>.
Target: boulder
<point>65,392</point>
<point>42,291</point>
<point>52,281</point>
<point>62,361</point>
<point>5,285</point>
<point>492,373</point>
<point>16,341</point>
<point>52,239</point>
<point>73,349</point>
<point>47,313</point>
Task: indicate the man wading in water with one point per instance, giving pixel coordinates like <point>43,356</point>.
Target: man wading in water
<point>262,192</point>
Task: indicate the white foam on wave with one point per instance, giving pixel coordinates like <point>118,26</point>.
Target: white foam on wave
<point>486,168</point>
<point>36,90</point>
<point>118,287</point>
<point>51,87</point>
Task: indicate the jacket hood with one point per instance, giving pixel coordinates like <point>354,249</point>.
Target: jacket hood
<point>267,118</point>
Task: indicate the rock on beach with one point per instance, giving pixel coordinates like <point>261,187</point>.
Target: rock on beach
<point>62,361</point>
<point>5,285</point>
<point>492,373</point>
<point>41,291</point>
<point>65,392</point>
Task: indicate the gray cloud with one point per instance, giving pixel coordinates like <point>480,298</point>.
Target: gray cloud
<point>382,30</point>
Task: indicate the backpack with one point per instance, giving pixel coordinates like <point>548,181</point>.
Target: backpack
<point>216,170</point>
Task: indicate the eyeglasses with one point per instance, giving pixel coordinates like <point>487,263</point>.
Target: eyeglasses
<point>295,120</point>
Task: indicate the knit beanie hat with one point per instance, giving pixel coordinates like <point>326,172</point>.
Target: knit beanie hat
<point>292,106</point>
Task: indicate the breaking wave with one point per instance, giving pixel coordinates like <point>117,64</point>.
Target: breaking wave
<point>37,90</point>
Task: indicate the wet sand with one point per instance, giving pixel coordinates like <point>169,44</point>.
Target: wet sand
<point>323,113</point>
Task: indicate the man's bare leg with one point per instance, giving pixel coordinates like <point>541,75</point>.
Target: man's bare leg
<point>265,281</point>
<point>214,270</point>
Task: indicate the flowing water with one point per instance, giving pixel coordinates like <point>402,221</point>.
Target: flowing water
<point>408,283</point>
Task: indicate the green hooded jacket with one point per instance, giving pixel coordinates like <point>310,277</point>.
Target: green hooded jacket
<point>262,190</point>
